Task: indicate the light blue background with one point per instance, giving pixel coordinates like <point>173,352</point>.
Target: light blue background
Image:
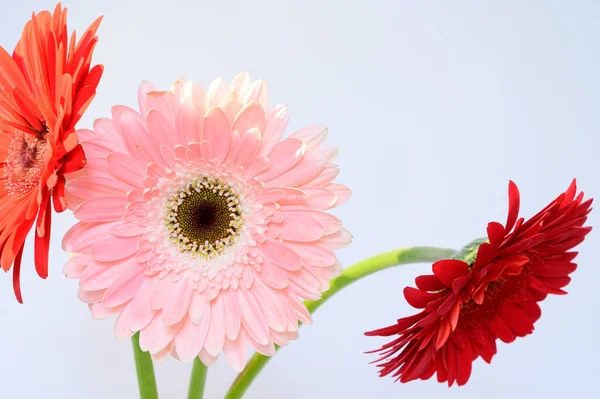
<point>434,107</point>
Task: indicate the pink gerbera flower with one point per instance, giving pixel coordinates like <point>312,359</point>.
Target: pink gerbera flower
<point>199,227</point>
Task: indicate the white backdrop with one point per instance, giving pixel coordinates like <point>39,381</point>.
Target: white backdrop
<point>434,107</point>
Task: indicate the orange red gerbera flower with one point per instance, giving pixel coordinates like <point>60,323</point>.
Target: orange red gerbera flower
<point>468,306</point>
<point>45,87</point>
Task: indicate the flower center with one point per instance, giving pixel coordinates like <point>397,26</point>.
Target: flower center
<point>497,295</point>
<point>24,163</point>
<point>205,218</point>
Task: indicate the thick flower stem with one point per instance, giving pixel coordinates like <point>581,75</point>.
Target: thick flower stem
<point>348,276</point>
<point>197,381</point>
<point>145,370</point>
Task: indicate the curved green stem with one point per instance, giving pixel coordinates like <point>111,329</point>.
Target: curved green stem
<point>348,276</point>
<point>197,381</point>
<point>145,370</point>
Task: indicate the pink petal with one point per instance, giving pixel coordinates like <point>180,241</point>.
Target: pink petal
<point>253,318</point>
<point>252,116</point>
<point>273,275</point>
<point>313,253</point>
<point>298,227</point>
<point>275,124</point>
<point>232,312</point>
<point>126,286</point>
<point>231,104</point>
<point>271,305</point>
<point>115,248</point>
<point>270,195</point>
<point>161,131</point>
<point>311,135</point>
<point>240,83</point>
<point>178,303</point>
<point>337,240</point>
<point>319,199</point>
<point>326,176</point>
<point>330,223</point>
<point>102,209</point>
<point>258,165</point>
<point>236,353</point>
<point>99,311</point>
<point>161,355</point>
<point>122,329</point>
<point>300,310</point>
<point>126,168</point>
<point>311,165</point>
<point>197,307</point>
<point>83,236</point>
<point>124,229</point>
<point>90,297</point>
<point>145,88</point>
<point>189,115</point>
<point>191,337</point>
<point>216,330</point>
<point>257,92</point>
<point>217,132</point>
<point>216,91</point>
<point>249,144</point>
<point>162,101</point>
<point>284,157</point>
<point>161,293</point>
<point>99,277</point>
<point>107,131</point>
<point>206,358</point>
<point>141,312</point>
<point>137,140</point>
<point>76,266</point>
<point>93,186</point>
<point>280,254</point>
<point>303,289</point>
<point>234,147</point>
<point>342,193</point>
<point>156,336</point>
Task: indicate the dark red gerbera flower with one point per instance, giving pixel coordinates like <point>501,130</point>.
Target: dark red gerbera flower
<point>45,86</point>
<point>468,305</point>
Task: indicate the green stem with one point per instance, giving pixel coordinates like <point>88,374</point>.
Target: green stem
<point>145,370</point>
<point>348,276</point>
<point>197,381</point>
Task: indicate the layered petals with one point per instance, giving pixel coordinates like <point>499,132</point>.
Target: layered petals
<point>200,227</point>
<point>45,87</point>
<point>468,306</point>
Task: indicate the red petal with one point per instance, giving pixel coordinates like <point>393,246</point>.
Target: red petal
<point>532,310</point>
<point>58,195</point>
<point>17,276</point>
<point>514,200</point>
<point>429,283</point>
<point>501,329</point>
<point>496,233</point>
<point>417,298</point>
<point>42,243</point>
<point>449,269</point>
<point>465,361</point>
<point>74,160</point>
<point>517,320</point>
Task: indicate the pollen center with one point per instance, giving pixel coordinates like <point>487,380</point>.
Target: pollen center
<point>24,163</point>
<point>205,218</point>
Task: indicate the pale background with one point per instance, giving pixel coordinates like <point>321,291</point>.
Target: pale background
<point>434,106</point>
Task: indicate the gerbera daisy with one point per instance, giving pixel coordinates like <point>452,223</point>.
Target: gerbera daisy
<point>45,87</point>
<point>468,305</point>
<point>200,227</point>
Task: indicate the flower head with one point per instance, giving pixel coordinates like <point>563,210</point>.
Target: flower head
<point>200,227</point>
<point>468,305</point>
<point>45,87</point>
